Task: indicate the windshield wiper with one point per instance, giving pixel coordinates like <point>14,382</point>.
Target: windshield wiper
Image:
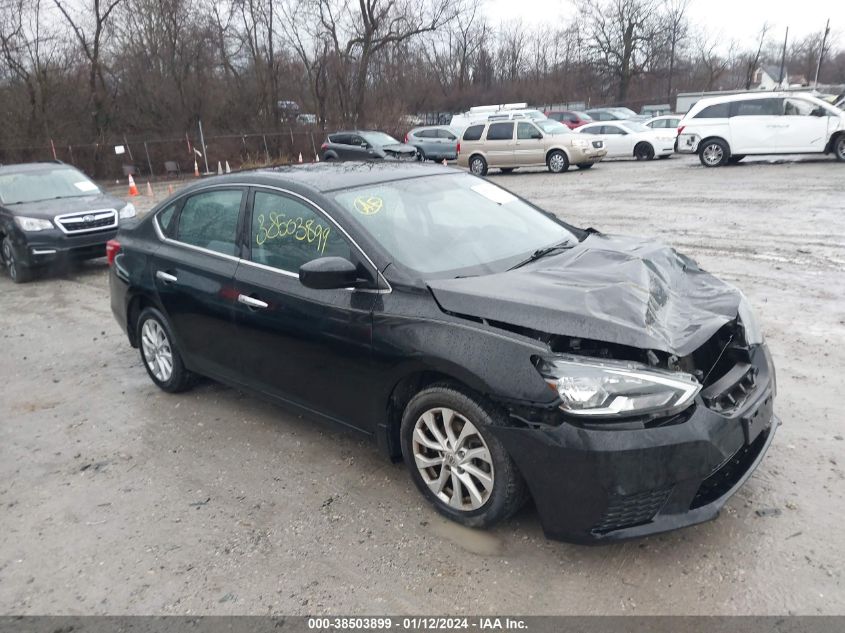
<point>543,252</point>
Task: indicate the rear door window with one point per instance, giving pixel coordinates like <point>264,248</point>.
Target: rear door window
<point>210,220</point>
<point>473,132</point>
<point>717,111</point>
<point>167,220</point>
<point>500,132</point>
<point>446,134</point>
<point>426,134</point>
<point>757,107</point>
<point>286,233</point>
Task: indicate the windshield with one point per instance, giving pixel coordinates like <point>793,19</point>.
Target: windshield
<point>553,127</point>
<point>45,184</point>
<point>379,138</point>
<point>448,226</point>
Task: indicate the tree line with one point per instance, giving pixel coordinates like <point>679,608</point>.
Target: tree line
<point>92,71</point>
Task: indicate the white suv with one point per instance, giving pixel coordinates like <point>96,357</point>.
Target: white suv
<point>724,130</point>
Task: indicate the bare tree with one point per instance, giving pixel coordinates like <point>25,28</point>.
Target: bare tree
<point>676,26</point>
<point>753,60</point>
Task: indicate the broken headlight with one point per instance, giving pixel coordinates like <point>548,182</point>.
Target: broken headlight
<point>753,332</point>
<point>611,389</point>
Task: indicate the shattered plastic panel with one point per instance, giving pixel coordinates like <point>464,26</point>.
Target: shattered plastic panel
<point>631,291</point>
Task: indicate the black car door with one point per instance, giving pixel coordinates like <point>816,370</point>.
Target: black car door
<point>194,271</point>
<point>309,347</point>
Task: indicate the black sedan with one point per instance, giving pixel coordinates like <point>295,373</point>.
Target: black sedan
<point>50,213</point>
<point>365,145</point>
<point>498,350</point>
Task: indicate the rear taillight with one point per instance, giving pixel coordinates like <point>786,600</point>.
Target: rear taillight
<point>112,249</point>
<point>458,148</point>
<point>324,147</point>
<point>406,138</point>
<point>681,129</point>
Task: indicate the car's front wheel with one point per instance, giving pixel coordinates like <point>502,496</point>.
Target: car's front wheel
<point>644,151</point>
<point>478,165</point>
<point>839,147</point>
<point>713,153</point>
<point>17,272</point>
<point>454,459</point>
<point>558,162</point>
<point>159,353</point>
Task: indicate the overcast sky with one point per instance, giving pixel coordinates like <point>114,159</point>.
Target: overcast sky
<point>740,20</point>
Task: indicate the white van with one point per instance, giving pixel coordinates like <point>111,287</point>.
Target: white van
<point>502,112</point>
<point>724,130</point>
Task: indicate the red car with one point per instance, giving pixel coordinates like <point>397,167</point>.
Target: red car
<point>570,118</point>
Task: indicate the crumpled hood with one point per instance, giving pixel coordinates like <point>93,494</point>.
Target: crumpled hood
<point>399,148</point>
<point>616,289</point>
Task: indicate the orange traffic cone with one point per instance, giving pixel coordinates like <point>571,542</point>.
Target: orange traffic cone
<point>300,157</point>
<point>133,190</point>
<point>196,169</point>
<point>228,169</point>
<point>149,189</point>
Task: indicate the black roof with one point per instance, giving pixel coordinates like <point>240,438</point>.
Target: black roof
<point>332,176</point>
<point>37,166</point>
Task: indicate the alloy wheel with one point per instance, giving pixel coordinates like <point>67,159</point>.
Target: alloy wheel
<point>9,259</point>
<point>556,162</point>
<point>453,459</point>
<point>157,352</point>
<point>713,154</point>
<point>477,166</point>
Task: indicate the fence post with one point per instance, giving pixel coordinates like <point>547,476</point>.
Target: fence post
<point>266,150</point>
<point>149,163</point>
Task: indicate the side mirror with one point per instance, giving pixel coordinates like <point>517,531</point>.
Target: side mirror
<point>327,273</point>
<point>818,112</point>
<point>537,135</point>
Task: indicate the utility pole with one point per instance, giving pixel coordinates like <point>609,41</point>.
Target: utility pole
<point>821,53</point>
<point>202,142</point>
<point>783,60</point>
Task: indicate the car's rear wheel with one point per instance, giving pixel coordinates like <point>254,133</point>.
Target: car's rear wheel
<point>713,153</point>
<point>478,165</point>
<point>839,147</point>
<point>159,354</point>
<point>557,162</point>
<point>644,151</point>
<point>454,459</point>
<point>17,272</point>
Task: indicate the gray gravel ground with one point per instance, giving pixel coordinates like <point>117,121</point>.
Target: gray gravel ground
<point>118,498</point>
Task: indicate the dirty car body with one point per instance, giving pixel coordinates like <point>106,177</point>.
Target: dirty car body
<point>684,410</point>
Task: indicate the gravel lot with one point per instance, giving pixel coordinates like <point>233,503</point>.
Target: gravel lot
<point>118,498</point>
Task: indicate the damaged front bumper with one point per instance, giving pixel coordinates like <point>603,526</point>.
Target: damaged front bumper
<point>593,484</point>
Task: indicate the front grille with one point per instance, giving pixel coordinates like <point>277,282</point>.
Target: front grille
<point>728,474</point>
<point>87,221</point>
<point>598,144</point>
<point>629,510</point>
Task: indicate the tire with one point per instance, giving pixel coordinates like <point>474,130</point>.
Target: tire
<point>557,162</point>
<point>18,273</point>
<point>477,165</point>
<point>158,351</point>
<point>443,406</point>
<point>585,165</point>
<point>507,170</point>
<point>421,155</point>
<point>839,148</point>
<point>714,152</point>
<point>734,160</point>
<point>644,151</point>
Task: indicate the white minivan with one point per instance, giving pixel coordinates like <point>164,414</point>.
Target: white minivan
<point>724,130</point>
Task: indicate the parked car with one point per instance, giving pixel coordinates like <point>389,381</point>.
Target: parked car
<point>664,122</point>
<point>51,213</point>
<point>724,130</point>
<point>570,118</point>
<point>306,119</point>
<point>365,145</point>
<point>435,142</point>
<point>611,114</point>
<point>504,112</point>
<point>629,138</point>
<point>506,145</point>
<point>493,346</point>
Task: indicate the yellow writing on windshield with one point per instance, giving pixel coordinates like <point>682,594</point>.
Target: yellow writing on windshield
<point>278,226</point>
<point>368,205</point>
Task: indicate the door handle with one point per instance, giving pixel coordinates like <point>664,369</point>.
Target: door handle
<point>166,277</point>
<point>250,302</point>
